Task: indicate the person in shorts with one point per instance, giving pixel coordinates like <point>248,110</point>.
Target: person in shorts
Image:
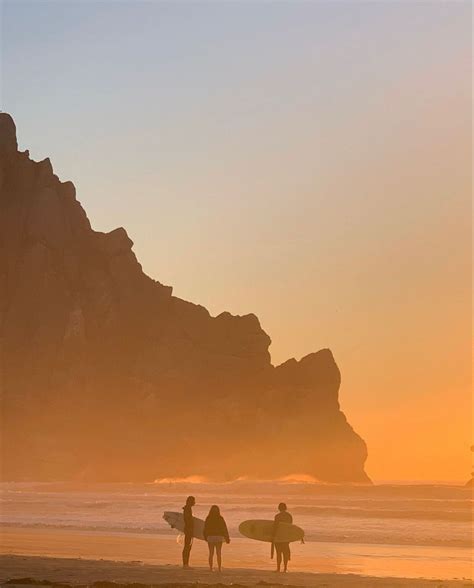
<point>215,533</point>
<point>282,549</point>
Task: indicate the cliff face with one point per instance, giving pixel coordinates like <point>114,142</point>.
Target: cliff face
<point>105,375</point>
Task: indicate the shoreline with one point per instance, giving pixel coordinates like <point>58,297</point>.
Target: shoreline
<point>165,533</point>
<point>377,561</point>
<point>85,572</point>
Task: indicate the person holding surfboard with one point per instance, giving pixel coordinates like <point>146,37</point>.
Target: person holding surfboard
<point>215,533</point>
<point>282,549</point>
<point>188,529</point>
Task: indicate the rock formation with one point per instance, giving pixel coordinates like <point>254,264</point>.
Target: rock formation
<point>105,375</point>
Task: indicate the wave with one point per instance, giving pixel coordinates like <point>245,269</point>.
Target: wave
<point>185,480</point>
<point>288,486</point>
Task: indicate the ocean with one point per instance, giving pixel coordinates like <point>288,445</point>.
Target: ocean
<point>393,530</point>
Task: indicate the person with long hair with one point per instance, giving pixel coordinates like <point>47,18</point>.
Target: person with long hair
<point>215,533</point>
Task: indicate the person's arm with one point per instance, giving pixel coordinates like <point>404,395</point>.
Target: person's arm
<point>226,531</point>
<point>205,533</point>
<point>275,527</point>
<point>188,521</point>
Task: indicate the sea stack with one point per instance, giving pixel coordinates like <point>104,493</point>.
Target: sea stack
<point>106,376</point>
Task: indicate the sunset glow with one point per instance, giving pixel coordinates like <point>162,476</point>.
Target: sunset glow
<point>316,173</point>
<point>236,294</point>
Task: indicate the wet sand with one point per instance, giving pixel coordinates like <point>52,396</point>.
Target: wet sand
<point>162,549</point>
<point>83,557</point>
<point>86,572</point>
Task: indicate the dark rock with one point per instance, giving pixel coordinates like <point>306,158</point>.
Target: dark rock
<point>107,376</point>
<point>8,142</point>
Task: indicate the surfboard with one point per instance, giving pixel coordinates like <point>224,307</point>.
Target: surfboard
<point>262,530</point>
<point>176,521</point>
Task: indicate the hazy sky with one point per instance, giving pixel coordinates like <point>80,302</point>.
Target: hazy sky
<point>306,161</point>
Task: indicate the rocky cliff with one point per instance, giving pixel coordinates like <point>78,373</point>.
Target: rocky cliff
<point>105,375</point>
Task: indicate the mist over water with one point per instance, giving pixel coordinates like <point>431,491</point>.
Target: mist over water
<point>405,515</point>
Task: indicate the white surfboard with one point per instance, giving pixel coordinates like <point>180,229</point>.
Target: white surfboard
<point>176,521</point>
<point>262,530</point>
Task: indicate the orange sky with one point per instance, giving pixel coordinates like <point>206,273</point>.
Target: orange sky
<point>308,162</point>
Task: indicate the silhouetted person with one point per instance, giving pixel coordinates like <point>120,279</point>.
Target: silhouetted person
<point>188,529</point>
<point>215,533</point>
<point>282,549</point>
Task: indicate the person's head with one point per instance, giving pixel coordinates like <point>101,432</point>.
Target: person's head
<point>190,501</point>
<point>214,511</point>
<point>282,507</point>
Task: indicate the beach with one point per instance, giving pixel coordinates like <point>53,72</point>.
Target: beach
<point>165,552</point>
<point>354,536</point>
<point>87,572</point>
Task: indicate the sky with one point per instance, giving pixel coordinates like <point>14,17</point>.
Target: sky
<point>309,162</point>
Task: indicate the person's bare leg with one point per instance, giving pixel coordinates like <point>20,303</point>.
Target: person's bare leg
<point>211,555</point>
<point>219,555</point>
<point>286,557</point>
<point>278,560</point>
<point>188,540</point>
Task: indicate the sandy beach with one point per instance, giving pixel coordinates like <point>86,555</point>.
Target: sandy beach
<point>86,572</point>
<point>164,550</point>
<point>83,558</point>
